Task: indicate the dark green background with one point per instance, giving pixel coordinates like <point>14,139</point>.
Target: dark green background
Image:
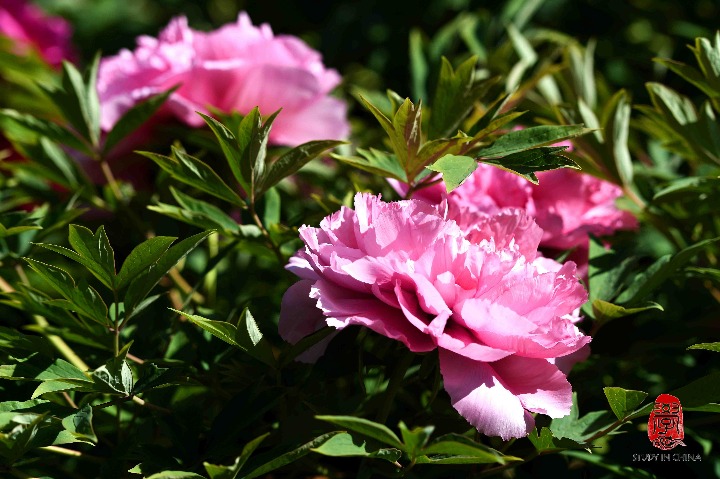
<point>373,34</point>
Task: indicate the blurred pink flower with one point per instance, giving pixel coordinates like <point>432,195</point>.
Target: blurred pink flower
<point>499,315</point>
<point>235,68</point>
<point>29,27</point>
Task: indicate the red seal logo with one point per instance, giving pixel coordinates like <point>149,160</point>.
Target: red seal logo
<point>665,426</point>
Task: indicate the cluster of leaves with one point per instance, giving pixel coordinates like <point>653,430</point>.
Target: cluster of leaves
<point>143,359</point>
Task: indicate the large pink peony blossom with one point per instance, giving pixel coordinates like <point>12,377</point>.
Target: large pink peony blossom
<point>29,27</point>
<point>234,68</point>
<point>499,315</point>
<point>568,205</point>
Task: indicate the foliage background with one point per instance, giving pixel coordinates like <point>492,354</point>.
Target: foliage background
<point>368,42</point>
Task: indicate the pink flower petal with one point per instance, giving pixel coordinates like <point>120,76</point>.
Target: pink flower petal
<point>232,69</point>
<point>299,317</point>
<point>478,394</point>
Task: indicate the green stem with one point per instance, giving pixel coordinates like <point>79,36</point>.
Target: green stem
<point>117,324</point>
<point>71,453</point>
<point>62,346</point>
<point>394,384</point>
<point>111,181</point>
<point>211,277</point>
<point>270,243</point>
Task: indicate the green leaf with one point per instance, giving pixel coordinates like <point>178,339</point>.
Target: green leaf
<point>291,456</point>
<point>347,445</point>
<point>11,340</point>
<point>271,211</point>
<point>220,329</point>
<point>15,223</point>
<point>232,149</point>
<point>194,218</point>
<point>57,385</point>
<point>231,472</point>
<point>384,121</point>
<point>367,428</point>
<point>527,163</point>
<point>457,449</point>
<point>708,56</point>
<point>407,124</point>
<point>217,217</point>
<point>80,425</point>
<point>152,377</point>
<point>683,189</point>
<point>175,475</point>
<point>455,169</point>
<point>605,311</point>
<point>78,101</point>
<point>82,298</point>
<point>690,74</point>
<point>114,377</point>
<point>418,65</point>
<point>415,439</point>
<point>247,138</point>
<point>707,346</point>
<point>645,282</point>
<point>455,96</point>
<point>521,140</point>
<point>451,459</point>
<point>403,131</point>
<point>290,162</point>
<point>97,270</point>
<point>14,406</point>
<point>700,392</point>
<point>15,230</point>
<point>579,428</point>
<point>96,250</point>
<point>544,441</point>
<point>623,401</point>
<point>143,284</point>
<point>50,162</point>
<point>527,54</point>
<point>675,107</point>
<point>142,257</point>
<point>616,136</point>
<point>377,162</point>
<point>42,371</point>
<point>195,173</point>
<point>434,150</point>
<point>44,128</point>
<point>481,129</point>
<point>132,119</point>
<point>607,271</point>
<point>257,151</point>
<point>249,338</point>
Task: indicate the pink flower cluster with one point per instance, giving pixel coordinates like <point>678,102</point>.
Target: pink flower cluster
<point>234,68</point>
<point>567,205</point>
<point>502,317</point>
<point>30,28</point>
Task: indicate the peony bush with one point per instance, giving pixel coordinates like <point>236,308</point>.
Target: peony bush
<point>231,253</point>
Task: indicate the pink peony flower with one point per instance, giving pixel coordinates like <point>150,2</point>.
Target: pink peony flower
<point>499,315</point>
<point>567,205</point>
<point>234,68</point>
<point>29,27</point>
